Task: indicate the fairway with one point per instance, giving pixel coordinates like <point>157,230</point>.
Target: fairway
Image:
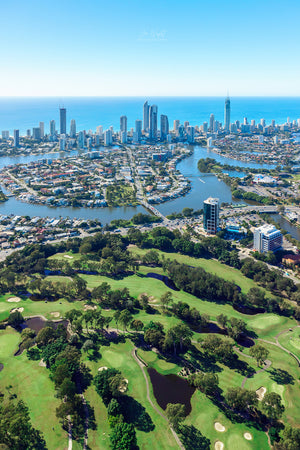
<point>32,384</point>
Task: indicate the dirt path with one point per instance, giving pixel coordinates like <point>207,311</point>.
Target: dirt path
<point>142,367</point>
<point>70,444</point>
<point>277,343</point>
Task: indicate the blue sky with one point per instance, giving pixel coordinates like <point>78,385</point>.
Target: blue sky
<point>149,48</point>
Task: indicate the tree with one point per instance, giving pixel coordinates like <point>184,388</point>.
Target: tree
<point>166,299</point>
<point>15,319</point>
<point>16,431</point>
<point>256,297</point>
<point>272,406</point>
<point>241,399</point>
<point>259,352</point>
<point>137,325</point>
<point>179,334</point>
<point>88,345</point>
<point>125,318</point>
<point>175,413</point>
<point>222,320</point>
<point>123,437</point>
<point>114,408</point>
<point>208,383</point>
<point>45,335</point>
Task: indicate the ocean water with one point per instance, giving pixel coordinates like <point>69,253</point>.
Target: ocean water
<point>89,112</point>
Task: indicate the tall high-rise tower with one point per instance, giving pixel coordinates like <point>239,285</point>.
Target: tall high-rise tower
<point>123,124</point>
<point>211,122</point>
<point>211,215</point>
<point>73,129</point>
<point>52,128</point>
<point>63,120</point>
<point>146,116</point>
<point>164,127</point>
<point>227,114</point>
<point>16,138</point>
<point>153,122</point>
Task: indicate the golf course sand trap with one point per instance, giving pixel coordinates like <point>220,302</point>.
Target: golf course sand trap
<point>42,363</point>
<point>68,256</point>
<point>14,299</point>
<point>21,309</point>
<point>55,314</point>
<point>219,427</point>
<point>124,388</point>
<point>261,393</point>
<point>248,436</point>
<point>219,445</point>
<point>102,368</point>
<point>87,307</point>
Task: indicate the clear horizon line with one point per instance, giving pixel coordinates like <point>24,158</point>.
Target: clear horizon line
<point>148,96</point>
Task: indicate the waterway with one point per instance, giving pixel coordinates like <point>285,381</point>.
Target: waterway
<point>202,186</point>
<point>286,225</point>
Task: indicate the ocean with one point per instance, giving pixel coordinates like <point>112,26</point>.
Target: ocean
<point>89,112</point>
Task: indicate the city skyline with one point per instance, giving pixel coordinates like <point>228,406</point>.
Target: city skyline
<point>150,48</point>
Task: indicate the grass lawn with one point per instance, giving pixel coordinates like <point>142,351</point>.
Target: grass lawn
<point>203,416</point>
<point>33,308</point>
<point>266,325</point>
<point>66,256</point>
<point>31,383</point>
<point>283,378</point>
<point>291,341</point>
<point>119,357</point>
<point>210,265</point>
<point>158,362</point>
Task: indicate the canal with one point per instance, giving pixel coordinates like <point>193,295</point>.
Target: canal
<point>202,186</point>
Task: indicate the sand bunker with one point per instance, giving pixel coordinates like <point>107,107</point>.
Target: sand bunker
<point>102,368</point>
<point>87,307</point>
<point>248,436</point>
<point>42,363</point>
<point>219,427</point>
<point>124,388</point>
<point>55,314</point>
<point>261,393</point>
<point>219,445</point>
<point>68,256</point>
<point>14,299</point>
<point>21,309</point>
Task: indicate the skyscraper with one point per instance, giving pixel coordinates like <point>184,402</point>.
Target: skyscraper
<point>211,215</point>
<point>227,114</point>
<point>42,129</point>
<point>73,129</point>
<point>52,128</point>
<point>138,129</point>
<point>63,120</point>
<point>16,138</point>
<point>164,127</point>
<point>146,116</point>
<point>36,134</point>
<point>152,122</point>
<point>211,122</point>
<point>123,124</point>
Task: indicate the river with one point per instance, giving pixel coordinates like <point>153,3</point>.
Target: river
<point>203,186</point>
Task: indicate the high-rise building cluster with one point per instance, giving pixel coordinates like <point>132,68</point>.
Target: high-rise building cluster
<point>151,129</point>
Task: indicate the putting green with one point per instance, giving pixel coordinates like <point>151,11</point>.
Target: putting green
<point>115,359</point>
<point>295,342</point>
<point>264,321</point>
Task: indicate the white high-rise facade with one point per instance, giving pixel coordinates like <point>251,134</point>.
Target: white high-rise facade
<point>266,238</point>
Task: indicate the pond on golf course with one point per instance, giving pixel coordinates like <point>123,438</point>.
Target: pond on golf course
<point>171,389</point>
